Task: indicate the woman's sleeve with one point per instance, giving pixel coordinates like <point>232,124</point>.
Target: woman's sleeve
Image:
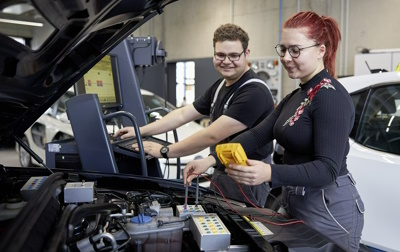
<point>253,139</point>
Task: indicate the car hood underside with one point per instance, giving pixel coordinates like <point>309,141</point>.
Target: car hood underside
<point>84,31</point>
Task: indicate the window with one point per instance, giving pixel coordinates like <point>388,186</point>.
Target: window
<point>380,124</point>
<point>185,73</point>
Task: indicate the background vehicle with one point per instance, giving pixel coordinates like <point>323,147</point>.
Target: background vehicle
<point>169,167</point>
<point>374,156</point>
<point>53,125</point>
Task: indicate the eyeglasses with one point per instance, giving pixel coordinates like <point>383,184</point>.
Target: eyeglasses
<point>294,50</point>
<point>231,57</point>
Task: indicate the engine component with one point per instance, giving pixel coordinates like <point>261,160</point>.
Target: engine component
<point>210,232</point>
<point>78,192</point>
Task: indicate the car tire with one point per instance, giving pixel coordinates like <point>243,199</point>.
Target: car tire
<point>25,158</point>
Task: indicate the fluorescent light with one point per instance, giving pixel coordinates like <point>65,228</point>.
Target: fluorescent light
<point>10,21</point>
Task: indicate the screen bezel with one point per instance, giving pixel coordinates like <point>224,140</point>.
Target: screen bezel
<point>80,85</point>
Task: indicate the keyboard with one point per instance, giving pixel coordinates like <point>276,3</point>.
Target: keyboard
<point>127,143</point>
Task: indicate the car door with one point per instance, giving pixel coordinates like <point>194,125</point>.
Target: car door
<point>374,161</point>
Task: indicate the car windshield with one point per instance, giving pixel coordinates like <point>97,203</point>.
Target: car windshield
<point>155,101</point>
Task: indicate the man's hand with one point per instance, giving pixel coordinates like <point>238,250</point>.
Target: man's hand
<point>151,148</point>
<point>197,167</point>
<point>125,132</point>
<point>255,173</point>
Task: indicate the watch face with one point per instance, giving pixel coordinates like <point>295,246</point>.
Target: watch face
<point>164,149</point>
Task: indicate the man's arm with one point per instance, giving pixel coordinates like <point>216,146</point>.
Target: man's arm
<point>220,129</point>
<point>171,121</point>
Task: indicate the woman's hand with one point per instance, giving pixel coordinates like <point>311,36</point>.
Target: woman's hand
<point>255,173</point>
<point>197,167</point>
<point>125,132</point>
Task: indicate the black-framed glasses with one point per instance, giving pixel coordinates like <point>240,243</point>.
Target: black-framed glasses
<point>294,50</point>
<point>231,56</point>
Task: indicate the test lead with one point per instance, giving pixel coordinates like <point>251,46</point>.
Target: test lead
<point>186,196</point>
<point>197,191</point>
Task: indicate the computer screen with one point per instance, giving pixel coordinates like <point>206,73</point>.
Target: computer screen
<point>102,79</point>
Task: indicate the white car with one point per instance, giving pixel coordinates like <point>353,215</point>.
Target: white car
<point>152,101</point>
<point>54,125</point>
<point>374,157</point>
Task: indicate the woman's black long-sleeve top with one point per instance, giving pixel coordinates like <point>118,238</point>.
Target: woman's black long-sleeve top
<point>313,124</point>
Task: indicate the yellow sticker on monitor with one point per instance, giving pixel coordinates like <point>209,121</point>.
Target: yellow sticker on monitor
<point>231,153</point>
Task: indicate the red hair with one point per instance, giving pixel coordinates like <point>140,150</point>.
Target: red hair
<point>323,30</point>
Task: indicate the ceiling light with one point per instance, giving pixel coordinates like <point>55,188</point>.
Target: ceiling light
<point>18,9</point>
<point>11,21</point>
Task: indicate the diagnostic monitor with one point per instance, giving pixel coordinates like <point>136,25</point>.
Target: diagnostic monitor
<point>102,79</point>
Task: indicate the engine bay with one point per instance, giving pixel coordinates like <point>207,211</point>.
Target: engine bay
<point>97,212</point>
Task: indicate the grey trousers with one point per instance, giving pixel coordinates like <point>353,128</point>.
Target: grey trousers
<point>256,194</point>
<point>336,211</point>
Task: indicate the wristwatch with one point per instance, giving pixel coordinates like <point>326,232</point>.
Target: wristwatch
<point>164,151</point>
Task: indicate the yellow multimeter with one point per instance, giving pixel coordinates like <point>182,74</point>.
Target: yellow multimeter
<point>231,153</point>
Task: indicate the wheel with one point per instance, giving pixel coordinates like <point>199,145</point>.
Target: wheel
<point>24,158</point>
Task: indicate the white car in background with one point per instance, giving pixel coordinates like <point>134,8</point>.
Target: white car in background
<point>54,125</point>
<point>152,101</point>
<point>374,157</point>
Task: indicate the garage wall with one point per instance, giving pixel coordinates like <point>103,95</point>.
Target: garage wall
<point>186,27</point>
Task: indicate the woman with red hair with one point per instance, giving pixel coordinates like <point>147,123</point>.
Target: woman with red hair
<point>313,124</point>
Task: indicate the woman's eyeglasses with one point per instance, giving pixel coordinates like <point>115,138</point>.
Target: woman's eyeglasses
<point>293,50</point>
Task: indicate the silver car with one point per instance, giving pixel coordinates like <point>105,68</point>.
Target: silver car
<point>53,125</point>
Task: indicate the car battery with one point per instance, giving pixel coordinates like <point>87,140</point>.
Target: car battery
<point>156,234</point>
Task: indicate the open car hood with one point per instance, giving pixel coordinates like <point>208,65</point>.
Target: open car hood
<point>84,31</point>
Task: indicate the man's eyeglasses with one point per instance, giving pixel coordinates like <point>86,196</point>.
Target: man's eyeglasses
<point>231,57</point>
<point>294,50</point>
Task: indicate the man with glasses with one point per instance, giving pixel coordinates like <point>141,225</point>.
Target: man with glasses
<point>235,103</point>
